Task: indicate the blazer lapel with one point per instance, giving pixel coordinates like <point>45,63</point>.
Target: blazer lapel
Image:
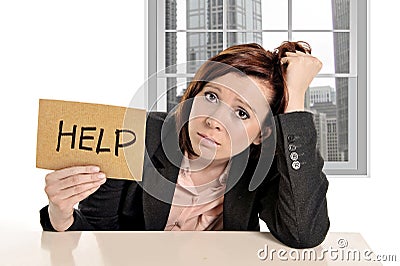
<point>238,199</point>
<point>160,175</point>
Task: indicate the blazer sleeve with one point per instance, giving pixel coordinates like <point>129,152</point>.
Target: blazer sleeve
<point>293,200</point>
<point>100,211</point>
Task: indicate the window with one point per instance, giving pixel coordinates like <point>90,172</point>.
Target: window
<point>181,31</point>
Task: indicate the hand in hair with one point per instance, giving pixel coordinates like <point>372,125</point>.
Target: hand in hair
<point>301,68</point>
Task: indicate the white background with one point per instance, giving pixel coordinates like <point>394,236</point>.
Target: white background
<point>94,51</point>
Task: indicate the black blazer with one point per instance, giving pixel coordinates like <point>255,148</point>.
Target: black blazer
<point>291,199</point>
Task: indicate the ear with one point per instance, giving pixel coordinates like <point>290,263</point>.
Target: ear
<point>259,139</point>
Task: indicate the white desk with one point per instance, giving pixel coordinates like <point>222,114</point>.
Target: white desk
<point>175,248</point>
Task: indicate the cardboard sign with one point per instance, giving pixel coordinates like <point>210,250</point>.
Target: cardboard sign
<point>74,133</point>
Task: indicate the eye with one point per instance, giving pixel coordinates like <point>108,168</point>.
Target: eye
<point>242,114</point>
<point>211,97</point>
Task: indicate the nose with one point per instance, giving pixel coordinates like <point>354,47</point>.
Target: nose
<point>213,123</point>
<point>218,116</point>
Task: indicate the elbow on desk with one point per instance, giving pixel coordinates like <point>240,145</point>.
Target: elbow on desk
<point>309,242</point>
<point>308,239</point>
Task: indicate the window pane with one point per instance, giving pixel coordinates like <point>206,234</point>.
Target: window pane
<point>242,15</point>
<point>234,38</point>
<point>319,14</point>
<point>196,14</point>
<point>171,51</point>
<point>274,14</point>
<point>256,15</point>
<point>327,45</point>
<point>193,14</point>
<point>271,40</point>
<point>341,14</point>
<point>342,102</point>
<point>181,47</point>
<point>175,89</point>
<point>175,14</point>
<point>327,98</point>
<point>341,43</point>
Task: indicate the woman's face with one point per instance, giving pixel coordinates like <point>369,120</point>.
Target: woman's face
<point>226,116</point>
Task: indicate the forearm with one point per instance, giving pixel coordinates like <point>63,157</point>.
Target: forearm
<point>296,211</point>
<point>79,222</point>
<point>295,102</point>
<point>100,211</point>
<point>60,221</point>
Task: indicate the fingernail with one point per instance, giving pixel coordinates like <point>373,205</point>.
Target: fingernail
<point>95,169</point>
<point>101,175</point>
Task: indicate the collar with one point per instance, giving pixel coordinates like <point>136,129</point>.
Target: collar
<point>186,173</point>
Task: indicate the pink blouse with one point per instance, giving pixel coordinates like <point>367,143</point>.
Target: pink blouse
<point>197,207</point>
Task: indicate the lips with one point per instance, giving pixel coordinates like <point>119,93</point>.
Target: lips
<point>208,138</point>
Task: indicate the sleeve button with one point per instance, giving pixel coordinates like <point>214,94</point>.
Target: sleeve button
<point>292,147</point>
<point>290,138</point>
<point>296,165</point>
<point>294,156</point>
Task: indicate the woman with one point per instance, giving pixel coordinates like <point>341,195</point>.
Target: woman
<point>202,163</point>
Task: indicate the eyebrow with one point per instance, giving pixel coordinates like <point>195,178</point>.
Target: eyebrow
<point>236,98</point>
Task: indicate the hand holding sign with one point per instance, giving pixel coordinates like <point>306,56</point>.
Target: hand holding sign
<point>73,134</point>
<point>67,187</point>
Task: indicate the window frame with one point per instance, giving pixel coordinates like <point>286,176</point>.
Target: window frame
<point>358,91</point>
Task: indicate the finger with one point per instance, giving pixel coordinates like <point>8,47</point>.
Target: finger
<point>78,189</point>
<point>284,60</point>
<point>297,53</point>
<point>300,52</point>
<point>307,53</point>
<point>80,179</point>
<point>74,170</point>
<point>83,195</point>
<point>71,181</point>
<point>291,54</point>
